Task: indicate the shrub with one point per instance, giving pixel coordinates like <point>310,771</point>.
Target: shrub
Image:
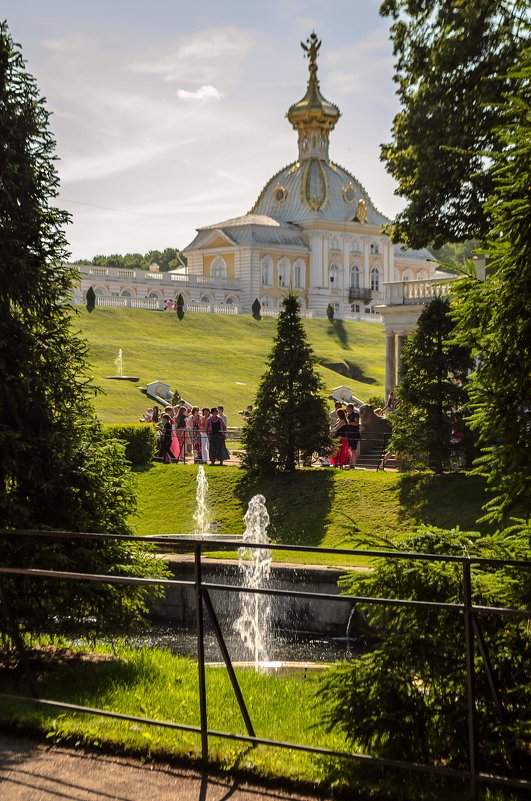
<point>139,438</point>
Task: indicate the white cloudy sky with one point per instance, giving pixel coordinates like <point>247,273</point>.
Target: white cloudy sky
<point>170,115</point>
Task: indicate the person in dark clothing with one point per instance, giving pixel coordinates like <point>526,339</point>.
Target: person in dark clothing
<point>166,439</point>
<point>216,437</point>
<point>353,433</point>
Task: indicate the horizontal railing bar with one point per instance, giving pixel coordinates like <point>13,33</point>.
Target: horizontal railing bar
<point>34,572</point>
<point>228,543</point>
<point>320,596</point>
<point>312,596</point>
<point>501,610</point>
<point>312,749</point>
<point>489,778</point>
<point>45,702</point>
<point>100,712</point>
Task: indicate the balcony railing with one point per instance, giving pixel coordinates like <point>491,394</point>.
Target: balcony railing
<point>359,293</point>
<point>400,293</point>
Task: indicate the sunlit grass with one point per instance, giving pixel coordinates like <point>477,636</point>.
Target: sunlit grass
<point>326,509</point>
<point>157,685</point>
<point>213,358</point>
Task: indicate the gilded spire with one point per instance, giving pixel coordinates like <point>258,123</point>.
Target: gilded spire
<point>313,117</point>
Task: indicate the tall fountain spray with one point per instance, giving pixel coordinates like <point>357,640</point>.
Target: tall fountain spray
<point>254,622</point>
<point>202,516</point>
<point>119,364</point>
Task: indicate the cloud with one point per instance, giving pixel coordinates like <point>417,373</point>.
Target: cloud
<point>201,57</point>
<point>206,92</point>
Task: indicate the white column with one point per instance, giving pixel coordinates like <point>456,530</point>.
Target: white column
<point>316,261</point>
<point>390,364</point>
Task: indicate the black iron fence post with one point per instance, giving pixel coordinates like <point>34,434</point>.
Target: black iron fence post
<point>470,679</point>
<point>201,653</point>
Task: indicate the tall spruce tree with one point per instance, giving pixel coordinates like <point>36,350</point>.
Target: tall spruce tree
<point>493,316</point>
<point>57,469</point>
<point>289,418</point>
<point>432,388</point>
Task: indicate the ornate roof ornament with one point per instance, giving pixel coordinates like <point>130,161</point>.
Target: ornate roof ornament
<point>313,117</point>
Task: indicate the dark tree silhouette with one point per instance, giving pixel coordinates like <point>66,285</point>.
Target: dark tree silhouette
<point>290,415</point>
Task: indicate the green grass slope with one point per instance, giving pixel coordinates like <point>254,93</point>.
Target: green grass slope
<point>323,508</point>
<point>214,358</point>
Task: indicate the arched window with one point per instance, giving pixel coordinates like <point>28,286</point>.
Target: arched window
<point>299,273</point>
<point>125,293</point>
<point>266,302</point>
<point>229,302</point>
<point>355,279</point>
<point>204,299</point>
<point>266,271</point>
<point>219,268</point>
<point>334,276</point>
<point>406,275</point>
<point>284,271</point>
<point>154,296</point>
<point>375,279</point>
<point>421,275</point>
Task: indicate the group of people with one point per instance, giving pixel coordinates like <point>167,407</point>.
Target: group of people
<point>185,431</point>
<point>346,436</point>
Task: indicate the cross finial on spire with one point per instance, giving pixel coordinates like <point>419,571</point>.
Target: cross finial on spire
<point>311,48</point>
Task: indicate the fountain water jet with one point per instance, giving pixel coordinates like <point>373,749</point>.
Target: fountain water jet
<point>119,364</point>
<point>202,516</point>
<point>254,622</point>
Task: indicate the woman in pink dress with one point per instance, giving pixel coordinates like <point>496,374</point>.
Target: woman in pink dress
<point>340,451</point>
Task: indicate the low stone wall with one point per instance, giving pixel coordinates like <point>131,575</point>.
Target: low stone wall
<point>299,615</point>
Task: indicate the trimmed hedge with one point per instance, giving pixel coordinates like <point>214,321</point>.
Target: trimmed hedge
<point>140,440</point>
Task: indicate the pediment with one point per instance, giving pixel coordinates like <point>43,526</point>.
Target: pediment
<point>217,239</point>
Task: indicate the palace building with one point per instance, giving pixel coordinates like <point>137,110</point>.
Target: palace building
<point>313,227</point>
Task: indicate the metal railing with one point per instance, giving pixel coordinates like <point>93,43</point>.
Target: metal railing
<point>187,444</point>
<point>472,635</point>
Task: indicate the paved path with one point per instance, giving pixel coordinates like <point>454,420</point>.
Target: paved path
<point>31,771</point>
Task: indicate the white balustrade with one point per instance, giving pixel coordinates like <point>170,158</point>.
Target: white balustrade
<point>145,303</point>
<point>408,292</point>
<point>106,300</point>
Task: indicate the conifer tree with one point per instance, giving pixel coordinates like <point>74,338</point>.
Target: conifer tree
<point>493,316</point>
<point>432,388</point>
<point>290,417</point>
<point>57,468</point>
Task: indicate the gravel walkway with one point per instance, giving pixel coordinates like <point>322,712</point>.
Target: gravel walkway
<point>31,771</point>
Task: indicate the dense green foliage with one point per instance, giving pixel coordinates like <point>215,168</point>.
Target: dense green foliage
<point>407,698</point>
<point>57,468</point>
<point>456,254</point>
<point>432,389</point>
<point>452,59</point>
<point>290,417</point>
<point>167,259</point>
<point>139,438</point>
<point>493,316</point>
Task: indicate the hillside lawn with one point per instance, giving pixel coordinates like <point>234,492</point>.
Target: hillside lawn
<point>213,358</point>
<point>323,508</point>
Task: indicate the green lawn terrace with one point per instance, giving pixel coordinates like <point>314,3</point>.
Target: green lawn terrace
<point>214,359</point>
